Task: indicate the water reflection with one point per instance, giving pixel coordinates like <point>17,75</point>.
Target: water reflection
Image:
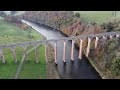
<point>79,69</point>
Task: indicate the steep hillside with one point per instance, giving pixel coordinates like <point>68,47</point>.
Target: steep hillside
<point>65,21</point>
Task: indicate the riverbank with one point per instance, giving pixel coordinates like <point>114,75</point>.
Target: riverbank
<point>96,68</point>
<point>66,70</point>
<point>51,70</point>
<point>90,61</point>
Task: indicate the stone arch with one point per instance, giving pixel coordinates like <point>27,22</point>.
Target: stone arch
<point>19,46</point>
<point>38,45</point>
<point>94,42</point>
<point>103,37</point>
<point>45,45</point>
<point>54,45</point>
<point>68,41</point>
<point>64,43</point>
<point>13,53</point>
<point>49,52</point>
<point>19,51</point>
<point>77,40</point>
<point>116,36</point>
<point>55,50</point>
<point>36,53</point>
<point>110,37</point>
<point>7,55</point>
<point>80,47</point>
<point>28,47</point>
<point>72,49</point>
<point>88,45</point>
<point>2,58</point>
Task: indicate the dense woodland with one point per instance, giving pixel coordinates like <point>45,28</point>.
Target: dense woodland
<point>63,20</point>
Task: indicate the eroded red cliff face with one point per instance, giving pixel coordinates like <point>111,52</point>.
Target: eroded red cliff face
<point>105,55</point>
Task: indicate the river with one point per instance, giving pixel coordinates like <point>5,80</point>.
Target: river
<point>79,69</point>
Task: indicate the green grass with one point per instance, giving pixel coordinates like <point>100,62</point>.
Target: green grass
<point>10,33</point>
<point>98,16</point>
<point>31,70</point>
<point>8,70</point>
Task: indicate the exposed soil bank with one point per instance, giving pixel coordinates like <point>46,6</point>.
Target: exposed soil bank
<point>51,72</point>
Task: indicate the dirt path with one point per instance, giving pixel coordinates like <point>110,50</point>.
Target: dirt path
<point>51,71</point>
<point>20,66</point>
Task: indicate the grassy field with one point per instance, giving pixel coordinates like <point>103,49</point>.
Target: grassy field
<point>31,70</point>
<point>10,33</point>
<point>98,16</point>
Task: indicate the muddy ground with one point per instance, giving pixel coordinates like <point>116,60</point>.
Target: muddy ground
<point>51,71</point>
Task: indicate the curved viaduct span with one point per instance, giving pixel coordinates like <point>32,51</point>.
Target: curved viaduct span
<point>36,44</point>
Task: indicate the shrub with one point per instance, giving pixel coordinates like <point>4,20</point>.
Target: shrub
<point>112,25</point>
<point>77,15</point>
<point>115,66</point>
